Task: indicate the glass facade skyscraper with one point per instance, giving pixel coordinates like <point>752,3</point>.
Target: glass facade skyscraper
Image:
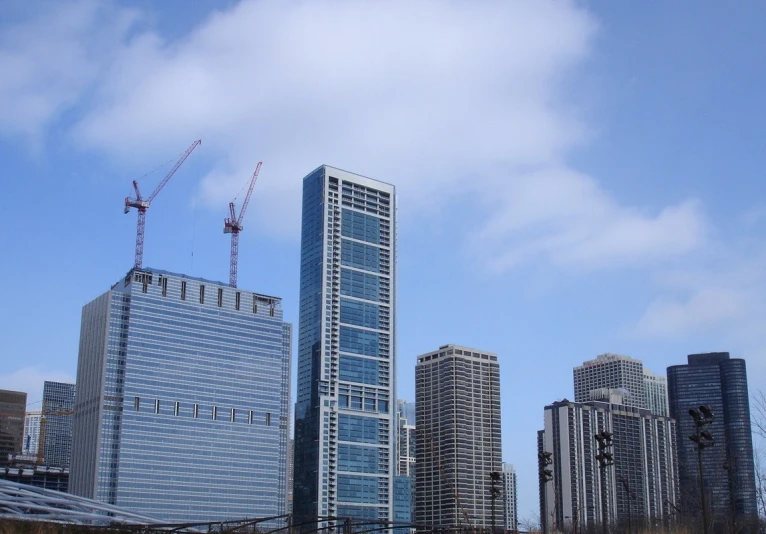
<point>344,418</point>
<point>182,399</point>
<point>716,380</point>
<point>58,403</point>
<point>13,409</point>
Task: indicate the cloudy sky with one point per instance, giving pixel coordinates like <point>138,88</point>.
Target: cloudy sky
<point>574,178</point>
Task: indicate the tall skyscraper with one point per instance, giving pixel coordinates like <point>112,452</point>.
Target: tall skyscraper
<point>510,503</point>
<point>656,391</point>
<point>58,403</point>
<point>182,399</point>
<point>345,414</point>
<point>31,432</point>
<point>611,371</point>
<point>720,382</point>
<point>457,399</point>
<point>405,448</point>
<point>644,458</point>
<point>13,409</point>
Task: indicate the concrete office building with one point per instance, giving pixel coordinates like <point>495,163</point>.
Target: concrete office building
<point>458,437</point>
<point>345,412</point>
<point>644,457</point>
<point>58,403</point>
<point>720,382</point>
<point>656,391</point>
<point>611,371</point>
<point>31,432</point>
<point>182,399</point>
<point>510,502</point>
<point>13,409</point>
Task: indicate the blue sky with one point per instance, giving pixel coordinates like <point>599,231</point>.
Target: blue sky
<point>574,178</point>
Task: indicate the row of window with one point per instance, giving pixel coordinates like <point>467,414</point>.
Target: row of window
<point>146,280</point>
<point>215,413</point>
<point>367,404</point>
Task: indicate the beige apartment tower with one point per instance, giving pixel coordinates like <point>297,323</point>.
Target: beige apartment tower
<point>457,391</point>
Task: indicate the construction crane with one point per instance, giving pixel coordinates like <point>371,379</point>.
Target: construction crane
<point>233,225</point>
<point>142,204</point>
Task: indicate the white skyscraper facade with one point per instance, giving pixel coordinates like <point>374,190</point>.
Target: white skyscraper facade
<point>611,371</point>
<point>32,432</point>
<point>510,502</point>
<point>345,411</point>
<point>656,389</point>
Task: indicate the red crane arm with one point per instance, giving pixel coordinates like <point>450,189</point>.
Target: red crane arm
<point>185,155</point>
<point>249,192</point>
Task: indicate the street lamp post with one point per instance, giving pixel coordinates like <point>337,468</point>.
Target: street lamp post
<point>605,459</point>
<point>546,475</point>
<point>703,418</point>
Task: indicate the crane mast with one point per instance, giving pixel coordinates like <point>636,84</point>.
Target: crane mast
<point>142,204</point>
<point>233,225</point>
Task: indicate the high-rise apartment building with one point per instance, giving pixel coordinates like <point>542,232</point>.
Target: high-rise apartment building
<point>31,432</point>
<point>345,411</point>
<point>611,371</point>
<point>458,437</point>
<point>644,447</point>
<point>656,391</point>
<point>13,409</point>
<point>405,448</point>
<point>510,502</point>
<point>182,399</point>
<point>720,382</point>
<point>58,403</point>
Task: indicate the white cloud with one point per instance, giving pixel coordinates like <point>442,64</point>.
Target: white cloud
<point>446,100</point>
<point>48,63</point>
<point>30,379</point>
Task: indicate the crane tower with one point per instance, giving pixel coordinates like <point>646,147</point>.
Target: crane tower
<point>233,225</point>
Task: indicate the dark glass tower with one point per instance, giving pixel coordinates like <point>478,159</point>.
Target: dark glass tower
<point>720,382</point>
<point>344,416</point>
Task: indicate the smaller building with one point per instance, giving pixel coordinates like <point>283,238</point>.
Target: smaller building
<point>611,371</point>
<point>405,447</point>
<point>13,409</point>
<point>656,389</point>
<point>510,504</point>
<point>22,469</point>
<point>32,432</point>
<point>58,405</point>
<point>403,502</point>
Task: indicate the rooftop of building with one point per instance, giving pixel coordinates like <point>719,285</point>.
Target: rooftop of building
<point>608,357</point>
<point>708,358</point>
<point>451,350</point>
<point>351,175</point>
<point>162,272</point>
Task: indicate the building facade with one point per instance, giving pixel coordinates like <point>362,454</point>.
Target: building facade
<point>405,448</point>
<point>510,502</point>
<point>13,409</point>
<point>345,411</point>
<point>656,390</point>
<point>642,484</point>
<point>31,432</point>
<point>58,406</point>
<point>458,437</point>
<point>720,382</point>
<point>182,399</point>
<point>611,371</point>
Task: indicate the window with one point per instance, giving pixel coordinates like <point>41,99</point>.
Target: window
<point>233,411</point>
<point>237,298</point>
<point>183,290</point>
<point>136,404</point>
<point>359,341</point>
<point>358,255</point>
<point>268,418</point>
<point>362,370</point>
<point>220,297</point>
<point>271,310</point>
<point>156,405</point>
<point>176,408</point>
<point>195,411</point>
<point>144,287</point>
<point>359,313</point>
<point>164,282</point>
<point>214,413</point>
<point>201,294</point>
<point>255,304</point>
<point>250,417</point>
